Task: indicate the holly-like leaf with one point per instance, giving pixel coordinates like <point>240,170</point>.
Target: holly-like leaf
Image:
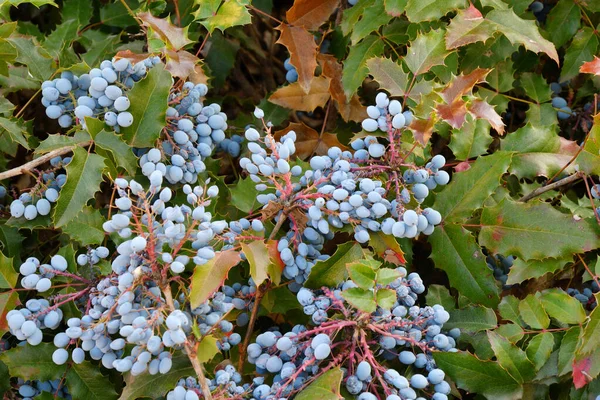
<point>311,14</point>
<point>207,349</point>
<point>362,273</point>
<point>84,175</point>
<point>86,227</point>
<point>121,152</point>
<point>16,132</point>
<point>361,299</point>
<point>463,84</point>
<point>230,13</point>
<point>468,26</point>
<point>475,375</point>
<point>293,96</point>
<point>259,258</point>
<point>589,158</point>
<point>389,75</point>
<point>183,64</point>
<point>355,66</point>
<point>472,140</point>
<point>536,87</point>
<point>34,57</point>
<point>509,309</point>
<point>532,312</point>
<point>454,250</point>
<point>174,37</point>
<point>387,247</point>
<point>591,67</point>
<point>209,277</point>
<point>386,298</point>
<point>563,22</point>
<point>395,7</point>
<point>8,301</point>
<point>566,351</point>
<point>53,142</point>
<point>32,362</point>
<point>453,114</point>
<point>582,49</point>
<point>472,319</point>
<point>147,385</point>
<point>372,18</point>
<point>427,10</point>
<point>562,307</point>
<point>325,387</point>
<point>590,337</point>
<point>523,270</point>
<point>511,358</point>
<point>520,31</point>
<point>149,109</point>
<point>85,381</point>
<point>332,272</point>
<point>426,51</point>
<point>539,349</point>
<point>482,109</point>
<point>535,231</point>
<point>303,52</point>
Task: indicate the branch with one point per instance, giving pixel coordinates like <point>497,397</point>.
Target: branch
<point>260,292</point>
<point>40,160</point>
<point>189,349</point>
<point>544,189</point>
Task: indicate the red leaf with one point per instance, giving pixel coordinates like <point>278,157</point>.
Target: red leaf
<point>311,13</point>
<point>454,114</point>
<point>482,109</point>
<point>591,67</point>
<point>463,84</point>
<point>581,371</point>
<point>303,52</point>
<point>462,166</point>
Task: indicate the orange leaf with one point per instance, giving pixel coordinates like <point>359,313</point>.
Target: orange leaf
<point>463,84</point>
<point>591,67</point>
<point>422,129</point>
<point>176,38</point>
<point>352,110</point>
<point>134,58</point>
<point>181,63</point>
<point>481,109</point>
<point>308,140</point>
<point>454,114</point>
<point>292,96</point>
<point>303,52</point>
<point>311,13</point>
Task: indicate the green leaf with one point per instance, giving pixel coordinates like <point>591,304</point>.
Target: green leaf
<point>509,309</point>
<point>539,349</point>
<point>589,158</point>
<point>231,13</point>
<point>395,7</point>
<point>352,15</point>
<point>121,152</point>
<point>16,132</point>
<point>511,358</point>
<point>590,337</point>
<point>99,45</point>
<point>536,87</point>
<point>563,22</point>
<point>471,140</point>
<point>11,240</point>
<point>385,276</point>
<point>61,37</point>
<point>34,57</point>
<point>386,298</point>
<point>207,349</point>
<point>389,75</point>
<point>153,386</point>
<point>332,272</point>
<point>425,51</point>
<point>86,227</point>
<point>8,275</point>
<point>535,231</point>
<point>582,49</point>
<point>207,278</point>
<point>150,108</point>
<point>362,274</point>
<point>427,10</point>
<point>566,351</point>
<point>438,294</point>
<point>84,175</point>
<point>472,319</point>
<point>79,10</point>
<point>32,362</point>
<point>373,17</point>
<point>58,141</point>
<point>361,299</point>
<point>468,190</point>
<point>472,374</point>
<point>325,387</point>
<point>562,307</point>
<point>523,270</point>
<point>532,312</point>
<point>468,26</point>
<point>512,332</point>
<point>261,265</point>
<point>8,301</point>
<point>520,31</point>
<point>243,195</point>
<point>454,250</point>
<point>280,300</point>
<point>355,67</point>
<point>116,14</point>
<point>85,381</point>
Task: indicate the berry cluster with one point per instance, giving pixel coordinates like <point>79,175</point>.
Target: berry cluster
<point>31,389</point>
<point>587,295</point>
<point>500,266</point>
<point>291,74</point>
<point>227,383</point>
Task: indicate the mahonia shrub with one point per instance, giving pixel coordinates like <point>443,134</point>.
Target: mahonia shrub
<point>367,199</point>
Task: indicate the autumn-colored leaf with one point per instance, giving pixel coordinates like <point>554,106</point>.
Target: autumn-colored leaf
<point>580,372</point>
<point>209,277</point>
<point>422,129</point>
<point>293,96</point>
<point>303,52</point>
<point>134,58</point>
<point>454,113</point>
<point>181,63</point>
<point>311,13</point>
<point>176,38</point>
<point>463,84</point>
<point>388,248</point>
<point>482,109</point>
<point>468,26</point>
<point>308,141</point>
<point>591,67</point>
<point>462,166</point>
<point>351,110</point>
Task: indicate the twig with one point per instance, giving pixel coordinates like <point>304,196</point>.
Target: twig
<point>260,292</point>
<point>543,189</point>
<point>189,349</point>
<point>589,271</point>
<point>40,160</point>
